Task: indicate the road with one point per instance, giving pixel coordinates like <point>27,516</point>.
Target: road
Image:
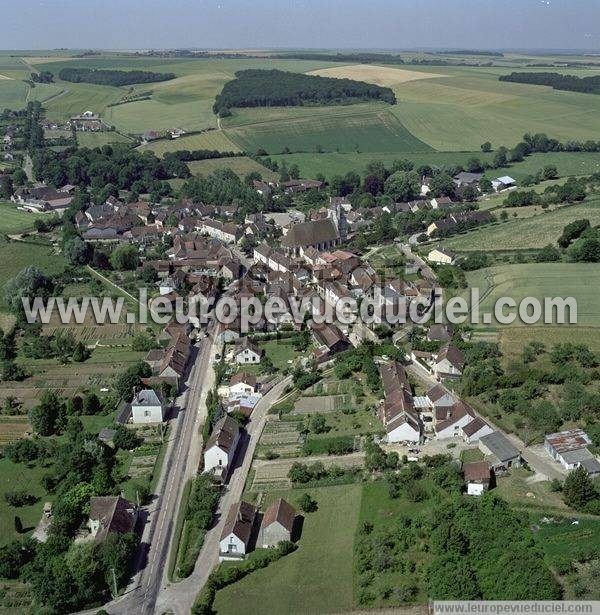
<point>178,598</point>
<point>181,461</point>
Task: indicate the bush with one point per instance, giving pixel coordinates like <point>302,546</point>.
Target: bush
<point>307,504</point>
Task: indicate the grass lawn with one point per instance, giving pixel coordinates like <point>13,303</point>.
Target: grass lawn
<point>470,455</point>
<point>341,424</point>
<point>213,139</point>
<point>280,352</point>
<point>98,139</point>
<point>539,280</point>
<point>16,255</point>
<point>14,477</point>
<point>13,220</point>
<point>241,166</point>
<point>317,577</point>
<point>564,538</point>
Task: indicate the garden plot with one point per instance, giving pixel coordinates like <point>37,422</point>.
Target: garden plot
<point>141,465</point>
<point>323,404</point>
<point>13,428</point>
<point>281,438</point>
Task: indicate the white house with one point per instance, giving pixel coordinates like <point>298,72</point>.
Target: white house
<point>441,256</point>
<point>247,352</point>
<point>237,531</point>
<point>449,422</point>
<point>449,362</point>
<point>221,446</point>
<point>477,477</point>
<point>147,407</point>
<point>475,430</point>
<point>405,427</point>
<point>439,397</point>
<point>242,383</point>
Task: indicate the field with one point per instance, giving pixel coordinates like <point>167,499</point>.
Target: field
<point>540,280</point>
<point>525,233</point>
<point>369,127</point>
<point>317,578</point>
<point>211,139</point>
<point>369,73</point>
<point>13,220</point>
<point>241,166</point>
<point>98,139</point>
<point>17,255</point>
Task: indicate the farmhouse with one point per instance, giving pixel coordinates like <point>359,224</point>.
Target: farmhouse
<point>237,531</point>
<point>242,383</point>
<point>467,179</point>
<point>441,202</point>
<point>277,524</point>
<point>449,362</point>
<point>440,333</point>
<point>441,256</point>
<point>477,477</point>
<point>476,429</point>
<point>43,198</point>
<point>450,421</point>
<point>570,448</point>
<point>147,407</point>
<point>329,339</point>
<point>111,515</point>
<point>221,446</point>
<point>439,397</point>
<point>500,452</point>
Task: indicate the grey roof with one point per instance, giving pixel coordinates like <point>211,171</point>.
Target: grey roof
<point>500,446</point>
<point>577,456</point>
<point>146,397</point>
<point>591,465</point>
<point>310,233</point>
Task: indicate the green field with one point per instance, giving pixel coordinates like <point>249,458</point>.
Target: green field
<point>17,255</point>
<point>13,220</point>
<point>239,165</point>
<point>525,233</point>
<point>98,139</point>
<point>317,578</point>
<point>369,127</point>
<point>212,139</point>
<point>540,280</point>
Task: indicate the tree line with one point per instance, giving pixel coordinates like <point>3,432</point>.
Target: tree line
<point>569,83</point>
<point>112,77</point>
<point>265,88</point>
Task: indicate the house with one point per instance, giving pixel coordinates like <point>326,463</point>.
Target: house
<point>237,531</point>
<point>500,452</point>
<point>449,362</point>
<point>221,446</point>
<point>147,407</point>
<point>440,333</point>
<point>450,421</point>
<point>439,397</point>
<point>247,352</point>
<point>242,383</point>
<point>467,179</point>
<point>570,448</point>
<point>441,202</point>
<point>111,515</point>
<point>502,183</point>
<point>404,427</point>
<point>329,338</point>
<point>477,477</point>
<point>277,524</point>
<point>442,256</point>
<point>475,430</point>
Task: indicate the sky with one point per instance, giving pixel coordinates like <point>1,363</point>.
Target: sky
<point>325,24</point>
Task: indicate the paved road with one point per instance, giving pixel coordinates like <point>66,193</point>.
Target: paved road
<point>181,463</point>
<point>178,598</point>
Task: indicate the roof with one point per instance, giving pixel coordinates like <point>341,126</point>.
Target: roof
<point>500,446</point>
<point>437,392</point>
<point>281,512</point>
<point>310,233</point>
<point>244,377</point>
<point>474,426</point>
<point>451,353</point>
<point>114,514</point>
<point>224,434</point>
<point>394,378</point>
<point>506,179</point>
<point>569,440</point>
<point>591,465</point>
<point>577,456</point>
<point>246,343</point>
<point>239,521</point>
<point>147,397</point>
<point>454,413</point>
<point>327,334</point>
<point>476,471</point>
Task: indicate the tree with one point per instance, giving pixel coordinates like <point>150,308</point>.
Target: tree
<point>318,424</point>
<point>474,165</point>
<point>441,185</point>
<point>578,489</point>
<point>500,159</point>
<point>81,353</point>
<point>76,251</point>
<point>403,186</point>
<point>18,525</point>
<point>91,404</point>
<point>125,258</point>
<point>126,439</point>
<point>307,504</point>
<point>28,284</point>
<point>298,473</point>
<point>485,185</point>
<point>130,379</point>
<point>486,147</point>
<point>44,417</point>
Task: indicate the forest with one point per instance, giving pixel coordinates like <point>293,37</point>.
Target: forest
<point>112,77</point>
<point>570,83</point>
<point>266,88</point>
